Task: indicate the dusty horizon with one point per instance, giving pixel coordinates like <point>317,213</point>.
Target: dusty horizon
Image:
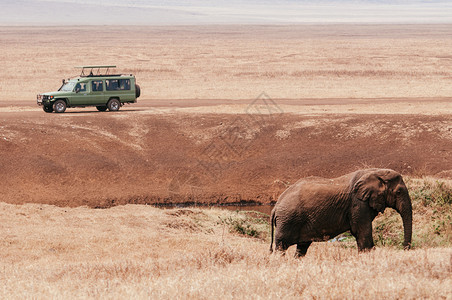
<point>177,12</point>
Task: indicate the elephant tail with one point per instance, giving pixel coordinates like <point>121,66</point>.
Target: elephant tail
<point>273,223</point>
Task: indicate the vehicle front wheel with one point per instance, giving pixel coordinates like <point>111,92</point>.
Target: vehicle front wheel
<point>47,109</point>
<point>59,106</point>
<point>101,108</point>
<point>113,105</point>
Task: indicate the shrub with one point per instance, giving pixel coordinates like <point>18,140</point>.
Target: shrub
<point>432,193</point>
<point>250,224</point>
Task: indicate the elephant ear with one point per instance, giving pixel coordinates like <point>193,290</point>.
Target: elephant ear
<point>371,188</point>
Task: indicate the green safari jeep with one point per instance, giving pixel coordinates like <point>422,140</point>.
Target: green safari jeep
<point>102,90</point>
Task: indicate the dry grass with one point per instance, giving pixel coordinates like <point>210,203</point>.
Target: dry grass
<point>143,252</point>
<point>237,62</point>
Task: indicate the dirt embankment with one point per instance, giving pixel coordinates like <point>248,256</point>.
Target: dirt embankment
<point>105,159</point>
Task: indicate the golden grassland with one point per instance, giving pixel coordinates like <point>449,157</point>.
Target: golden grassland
<point>236,62</point>
<point>139,251</point>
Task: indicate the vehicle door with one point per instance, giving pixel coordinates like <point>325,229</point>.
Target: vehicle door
<point>119,88</point>
<point>79,94</point>
<point>97,94</point>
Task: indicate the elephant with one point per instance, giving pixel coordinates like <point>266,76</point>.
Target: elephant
<point>318,209</point>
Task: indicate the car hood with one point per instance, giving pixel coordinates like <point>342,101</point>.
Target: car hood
<point>56,94</point>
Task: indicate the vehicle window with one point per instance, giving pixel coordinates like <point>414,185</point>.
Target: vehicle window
<point>124,84</point>
<point>97,86</point>
<point>68,87</point>
<point>117,84</point>
<point>81,87</point>
<point>112,84</point>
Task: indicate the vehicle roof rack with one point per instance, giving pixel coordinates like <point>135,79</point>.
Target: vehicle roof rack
<point>91,68</point>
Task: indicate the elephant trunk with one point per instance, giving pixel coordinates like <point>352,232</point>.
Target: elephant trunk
<point>406,212</point>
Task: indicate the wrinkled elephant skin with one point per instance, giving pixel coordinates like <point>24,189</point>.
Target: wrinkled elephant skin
<point>318,209</point>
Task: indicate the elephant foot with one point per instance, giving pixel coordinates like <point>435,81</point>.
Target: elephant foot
<point>302,248</point>
<point>366,248</point>
<point>281,247</point>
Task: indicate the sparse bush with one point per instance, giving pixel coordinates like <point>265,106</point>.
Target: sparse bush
<point>432,193</point>
<point>249,224</point>
<point>433,205</point>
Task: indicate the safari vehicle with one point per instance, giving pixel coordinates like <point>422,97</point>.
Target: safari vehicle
<point>102,90</point>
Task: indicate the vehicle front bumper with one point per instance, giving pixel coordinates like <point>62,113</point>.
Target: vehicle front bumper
<point>43,99</point>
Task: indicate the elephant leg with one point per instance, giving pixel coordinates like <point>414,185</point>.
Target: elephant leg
<point>361,226</point>
<point>302,248</point>
<point>281,246</point>
<point>363,235</point>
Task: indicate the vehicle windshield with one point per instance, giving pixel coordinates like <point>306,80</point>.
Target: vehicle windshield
<point>68,86</point>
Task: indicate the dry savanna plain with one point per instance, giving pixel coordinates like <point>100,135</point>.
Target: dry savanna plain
<point>228,115</point>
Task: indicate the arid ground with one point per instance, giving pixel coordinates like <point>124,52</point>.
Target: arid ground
<point>148,154</point>
<point>228,114</point>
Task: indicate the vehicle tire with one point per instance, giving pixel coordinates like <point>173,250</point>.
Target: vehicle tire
<point>101,108</point>
<point>47,109</point>
<point>59,106</point>
<point>137,91</point>
<point>113,104</point>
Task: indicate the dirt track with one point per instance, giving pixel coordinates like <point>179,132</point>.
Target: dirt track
<point>213,151</point>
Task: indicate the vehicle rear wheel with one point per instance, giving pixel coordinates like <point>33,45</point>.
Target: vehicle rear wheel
<point>59,106</point>
<point>47,109</point>
<point>137,91</point>
<point>113,105</point>
<point>101,108</point>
